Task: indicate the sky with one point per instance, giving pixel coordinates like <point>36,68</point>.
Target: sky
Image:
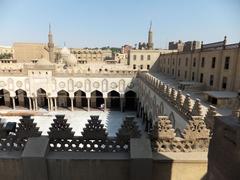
<point>99,23</point>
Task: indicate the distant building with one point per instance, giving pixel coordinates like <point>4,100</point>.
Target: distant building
<point>27,52</point>
<point>126,48</point>
<point>149,45</point>
<point>6,50</point>
<point>191,45</point>
<point>145,57</point>
<point>184,46</point>
<point>215,65</point>
<point>176,45</point>
<point>91,55</point>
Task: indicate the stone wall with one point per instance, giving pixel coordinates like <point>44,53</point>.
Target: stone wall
<point>139,164</point>
<point>159,99</point>
<point>26,155</point>
<point>224,149</point>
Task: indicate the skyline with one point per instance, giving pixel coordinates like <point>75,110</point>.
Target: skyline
<point>106,23</point>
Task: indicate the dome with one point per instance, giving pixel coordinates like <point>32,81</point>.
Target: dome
<point>65,51</point>
<point>71,60</point>
<point>67,57</point>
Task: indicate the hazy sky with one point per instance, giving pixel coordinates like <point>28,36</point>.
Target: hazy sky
<point>97,23</point>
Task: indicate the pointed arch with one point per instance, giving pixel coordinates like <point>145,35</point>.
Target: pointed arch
<point>130,100</point>
<point>42,98</point>
<point>96,99</point>
<point>113,100</point>
<point>80,100</point>
<point>5,99</point>
<point>63,99</point>
<point>21,98</point>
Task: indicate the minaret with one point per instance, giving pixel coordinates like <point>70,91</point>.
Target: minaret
<point>150,42</point>
<point>50,45</point>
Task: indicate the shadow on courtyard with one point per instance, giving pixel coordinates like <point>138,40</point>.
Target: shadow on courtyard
<point>115,119</point>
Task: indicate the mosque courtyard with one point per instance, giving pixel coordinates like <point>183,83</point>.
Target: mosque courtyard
<point>112,120</point>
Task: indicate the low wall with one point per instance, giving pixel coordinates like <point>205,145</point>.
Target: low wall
<point>37,162</point>
<point>88,166</point>
<point>224,149</point>
<point>11,166</point>
<point>179,166</point>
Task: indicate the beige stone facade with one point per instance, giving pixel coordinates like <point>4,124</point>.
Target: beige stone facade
<point>91,55</point>
<point>144,59</point>
<point>215,65</point>
<point>27,52</point>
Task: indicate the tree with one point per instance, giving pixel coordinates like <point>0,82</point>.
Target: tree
<point>6,56</point>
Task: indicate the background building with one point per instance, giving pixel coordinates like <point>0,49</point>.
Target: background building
<point>144,59</point>
<point>26,52</point>
<point>215,65</point>
<point>91,55</point>
<point>6,50</point>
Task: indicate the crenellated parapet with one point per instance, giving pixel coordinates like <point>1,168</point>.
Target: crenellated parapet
<point>197,108</point>
<point>186,109</point>
<point>182,104</point>
<point>196,129</point>
<point>210,117</point>
<point>16,138</point>
<point>195,136</point>
<point>61,137</point>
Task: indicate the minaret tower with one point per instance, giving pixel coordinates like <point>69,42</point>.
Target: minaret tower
<point>150,42</point>
<point>50,45</point>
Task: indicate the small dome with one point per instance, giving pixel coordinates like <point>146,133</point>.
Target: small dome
<point>65,51</point>
<point>67,57</point>
<point>71,60</point>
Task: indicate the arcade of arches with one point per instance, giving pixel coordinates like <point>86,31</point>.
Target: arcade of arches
<point>113,101</point>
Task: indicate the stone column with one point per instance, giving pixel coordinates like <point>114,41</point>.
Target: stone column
<point>72,109</point>
<point>144,117</point>
<point>48,102</point>
<point>121,104</point>
<point>13,101</point>
<point>105,104</point>
<point>52,106</point>
<point>55,102</point>
<point>34,105</point>
<point>88,102</point>
<point>36,102</point>
<point>30,103</point>
<point>147,123</point>
<point>138,109</point>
